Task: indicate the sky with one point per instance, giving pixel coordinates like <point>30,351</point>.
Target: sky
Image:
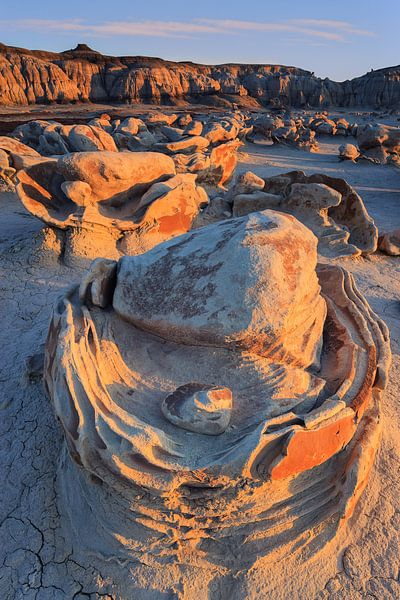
<point>338,39</point>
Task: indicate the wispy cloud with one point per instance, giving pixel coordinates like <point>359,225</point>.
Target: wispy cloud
<point>329,30</point>
<point>340,26</point>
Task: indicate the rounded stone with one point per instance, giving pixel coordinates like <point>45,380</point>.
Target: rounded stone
<point>200,408</point>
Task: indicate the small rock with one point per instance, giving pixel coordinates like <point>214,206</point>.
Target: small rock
<point>348,152</point>
<point>200,408</point>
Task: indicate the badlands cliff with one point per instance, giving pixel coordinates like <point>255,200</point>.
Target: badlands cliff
<point>83,75</point>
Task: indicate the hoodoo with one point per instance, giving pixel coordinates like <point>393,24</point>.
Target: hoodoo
<point>222,390</point>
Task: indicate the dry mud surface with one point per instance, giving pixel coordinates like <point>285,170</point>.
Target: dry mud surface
<point>37,561</point>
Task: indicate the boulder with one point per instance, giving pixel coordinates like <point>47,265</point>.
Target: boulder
<point>348,152</point>
<point>85,138</point>
<point>379,142</point>
<point>189,145</point>
<point>219,132</point>
<point>223,161</point>
<point>194,128</point>
<point>158,118</point>
<point>130,126</point>
<point>255,201</point>
<point>389,243</point>
<point>172,134</point>
<point>104,122</point>
<point>329,206</point>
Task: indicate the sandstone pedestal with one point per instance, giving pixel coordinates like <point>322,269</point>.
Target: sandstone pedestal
<point>299,360</point>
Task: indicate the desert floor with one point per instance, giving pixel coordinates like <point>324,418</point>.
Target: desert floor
<point>38,563</point>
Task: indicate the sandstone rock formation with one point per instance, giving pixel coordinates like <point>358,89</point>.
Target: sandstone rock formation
<point>216,393</point>
<point>389,243</point>
<point>348,152</point>
<point>52,138</point>
<point>211,157</point>
<point>379,142</point>
<point>28,77</point>
<point>109,203</point>
<point>329,206</point>
<point>12,156</point>
<point>283,131</point>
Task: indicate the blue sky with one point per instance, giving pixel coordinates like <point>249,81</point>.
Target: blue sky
<point>337,39</point>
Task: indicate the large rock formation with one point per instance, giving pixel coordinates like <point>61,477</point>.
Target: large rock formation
<point>108,203</point>
<point>79,75</point>
<point>212,160</point>
<point>329,206</point>
<point>13,155</point>
<point>219,398</point>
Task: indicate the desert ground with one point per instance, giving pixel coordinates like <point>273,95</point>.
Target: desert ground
<point>40,562</point>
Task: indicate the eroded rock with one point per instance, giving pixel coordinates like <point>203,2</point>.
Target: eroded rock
<point>103,200</point>
<point>348,152</point>
<point>389,243</point>
<point>240,306</point>
<point>201,408</point>
<point>329,206</point>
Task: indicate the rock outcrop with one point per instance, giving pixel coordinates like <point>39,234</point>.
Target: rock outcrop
<point>213,159</point>
<point>109,203</point>
<point>379,142</point>
<point>389,243</point>
<point>329,206</point>
<point>219,392</point>
<point>13,156</point>
<point>80,75</point>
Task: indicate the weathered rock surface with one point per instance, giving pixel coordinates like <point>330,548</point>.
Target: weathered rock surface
<point>13,155</point>
<point>28,77</point>
<point>109,202</point>
<point>200,408</point>
<point>329,206</point>
<point>283,131</point>
<point>234,305</point>
<point>348,152</point>
<point>213,161</point>
<point>389,243</point>
<point>379,142</point>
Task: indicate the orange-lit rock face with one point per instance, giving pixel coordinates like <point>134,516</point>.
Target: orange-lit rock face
<point>216,387</point>
<point>101,198</point>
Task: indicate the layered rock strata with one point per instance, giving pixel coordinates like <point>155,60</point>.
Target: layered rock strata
<point>80,75</point>
<point>219,397</point>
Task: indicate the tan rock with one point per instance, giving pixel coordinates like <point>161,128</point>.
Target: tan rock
<point>83,138</point>
<point>243,204</point>
<point>348,152</point>
<point>130,126</point>
<point>389,243</point>
<point>246,183</point>
<point>258,394</point>
<point>194,128</point>
<point>12,146</point>
<point>221,131</point>
<point>330,207</point>
<point>101,199</point>
<point>191,163</point>
<point>188,145</point>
